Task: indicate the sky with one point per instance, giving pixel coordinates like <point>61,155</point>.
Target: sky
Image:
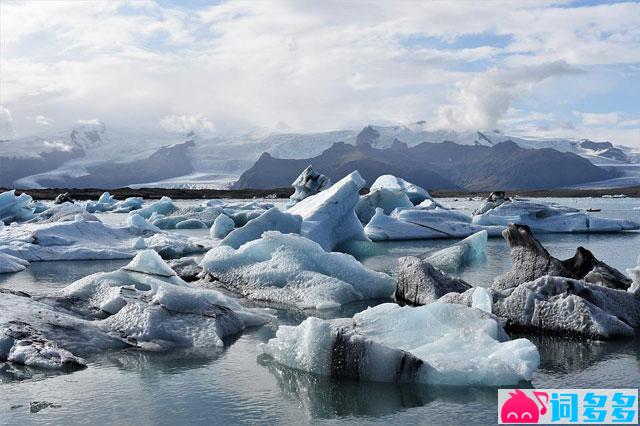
<point>530,68</point>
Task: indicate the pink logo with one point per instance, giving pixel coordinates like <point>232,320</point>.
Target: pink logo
<point>519,408</point>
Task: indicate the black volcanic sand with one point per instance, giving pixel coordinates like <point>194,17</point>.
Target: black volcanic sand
<point>190,194</point>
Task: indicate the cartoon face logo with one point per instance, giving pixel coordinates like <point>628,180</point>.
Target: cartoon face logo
<point>519,408</point>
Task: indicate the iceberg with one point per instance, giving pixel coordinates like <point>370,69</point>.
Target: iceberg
<point>198,217</point>
<point>271,220</point>
<point>420,283</point>
<point>163,206</point>
<point>143,305</point>
<point>543,217</point>
<point>530,261</point>
<point>222,226</point>
<point>64,212</point>
<point>15,208</point>
<point>128,204</point>
<point>63,198</point>
<point>140,223</point>
<point>395,184</point>
<point>467,252</point>
<point>419,223</point>
<point>435,344</point>
<point>635,273</point>
<point>293,271</point>
<point>308,183</point>
<point>383,198</point>
<point>90,240</point>
<point>329,217</point>
<point>105,203</point>
<point>10,263</point>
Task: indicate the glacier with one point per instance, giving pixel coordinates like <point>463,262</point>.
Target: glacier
<point>435,344</point>
<point>329,217</point>
<point>293,271</point>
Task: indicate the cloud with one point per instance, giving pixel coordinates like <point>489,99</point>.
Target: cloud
<point>309,65</point>
<point>42,120</point>
<point>6,124</point>
<point>594,119</point>
<point>197,123</point>
<point>482,101</point>
<point>90,121</point>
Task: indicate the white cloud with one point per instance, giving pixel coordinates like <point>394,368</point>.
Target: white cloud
<point>482,101</point>
<point>6,124</point>
<point>90,121</point>
<point>197,123</point>
<point>595,119</point>
<point>42,120</point>
<point>312,66</point>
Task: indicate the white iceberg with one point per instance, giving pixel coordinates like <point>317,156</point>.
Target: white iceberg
<point>140,223</point>
<point>635,276</point>
<point>15,208</point>
<point>466,252</point>
<point>436,344</point>
<point>105,203</point>
<point>90,240</point>
<point>329,217</point>
<point>416,194</point>
<point>308,183</point>
<point>128,204</point>
<point>383,198</point>
<point>417,224</point>
<point>222,226</point>
<point>294,271</point>
<point>271,220</point>
<point>198,217</point>
<point>64,212</point>
<point>10,263</point>
<point>163,206</point>
<point>547,217</point>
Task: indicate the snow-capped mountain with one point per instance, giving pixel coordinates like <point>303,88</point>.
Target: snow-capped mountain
<point>78,157</point>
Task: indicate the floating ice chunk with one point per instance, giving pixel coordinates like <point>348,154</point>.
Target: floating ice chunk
<point>481,299</point>
<point>104,204</point>
<point>222,226</point>
<point>437,343</point>
<point>383,198</point>
<point>420,283</point>
<point>417,224</point>
<point>141,224</point>
<point>128,204</point>
<point>10,263</point>
<point>329,217</point>
<point>198,217</point>
<point>294,271</point>
<point>150,262</point>
<point>191,224</point>
<point>635,274</point>
<point>416,194</point>
<point>308,183</point>
<point>63,213</point>
<point>543,217</point>
<point>63,198</point>
<point>89,240</point>
<point>139,244</point>
<point>34,334</point>
<point>459,255</point>
<point>163,206</point>
<point>15,208</point>
<point>271,220</point>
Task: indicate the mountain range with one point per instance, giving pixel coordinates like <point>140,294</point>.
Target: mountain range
<point>95,155</point>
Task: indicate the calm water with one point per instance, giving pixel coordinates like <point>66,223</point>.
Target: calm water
<point>236,385</point>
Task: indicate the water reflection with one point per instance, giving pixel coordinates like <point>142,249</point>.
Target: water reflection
<point>323,397</point>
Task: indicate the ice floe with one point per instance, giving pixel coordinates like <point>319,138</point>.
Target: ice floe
<point>466,252</point>
<point>144,305</point>
<point>106,203</point>
<point>389,182</point>
<point>291,270</point>
<point>436,344</point>
<point>80,239</point>
<point>418,223</point>
<point>271,220</point>
<point>329,217</point>
<point>545,217</point>
<point>10,263</point>
<point>383,198</point>
<point>308,183</point>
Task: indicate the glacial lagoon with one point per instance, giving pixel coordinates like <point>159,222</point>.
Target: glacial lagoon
<point>237,384</point>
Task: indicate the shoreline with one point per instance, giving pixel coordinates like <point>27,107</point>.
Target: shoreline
<point>192,194</point>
